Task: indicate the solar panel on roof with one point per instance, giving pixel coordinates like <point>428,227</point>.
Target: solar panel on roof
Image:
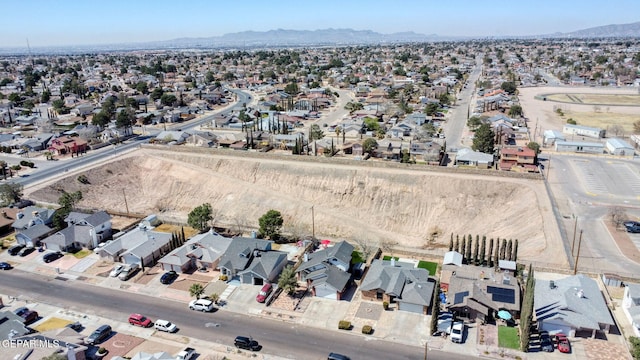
<point>502,295</point>
<point>458,298</point>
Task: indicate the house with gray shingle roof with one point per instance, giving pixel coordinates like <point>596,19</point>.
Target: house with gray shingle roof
<point>399,282</point>
<point>32,215</point>
<point>12,325</point>
<point>141,246</point>
<point>571,305</point>
<point>468,157</point>
<point>201,251</point>
<point>83,231</point>
<point>326,271</point>
<point>250,261</point>
<point>32,235</point>
<point>631,306</point>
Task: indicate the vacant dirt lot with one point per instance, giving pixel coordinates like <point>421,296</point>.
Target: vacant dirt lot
<point>351,202</point>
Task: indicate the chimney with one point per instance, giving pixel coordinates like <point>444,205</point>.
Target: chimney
<point>580,293</point>
<point>4,214</point>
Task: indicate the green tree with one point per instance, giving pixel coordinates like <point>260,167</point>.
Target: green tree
<point>142,87</point>
<point>369,145</point>
<point>515,111</point>
<point>431,109</point>
<point>100,119</point>
<point>270,224</point>
<point>315,133</point>
<point>371,124</point>
<point>435,309</point>
<point>287,280</point>
<point>474,122</point>
<point>291,89</point>
<point>156,94</point>
<point>509,87</point>
<point>445,99</point>
<point>526,312</point>
<point>10,193</point>
<point>483,139</point>
<point>534,146</point>
<point>67,202</point>
<point>200,216</point>
<point>125,118</point>
<point>196,290</point>
<point>168,99</point>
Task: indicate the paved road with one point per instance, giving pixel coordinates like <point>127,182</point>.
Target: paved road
<point>586,187</point>
<point>278,338</point>
<point>454,127</point>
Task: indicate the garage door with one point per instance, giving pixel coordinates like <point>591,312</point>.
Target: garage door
<point>326,293</point>
<point>414,308</point>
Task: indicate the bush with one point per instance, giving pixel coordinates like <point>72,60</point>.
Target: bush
<point>344,325</point>
<point>385,305</point>
<point>223,277</point>
<point>102,350</point>
<point>83,179</point>
<point>367,329</point>
<point>27,163</point>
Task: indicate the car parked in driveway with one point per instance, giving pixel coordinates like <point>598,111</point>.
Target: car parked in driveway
<point>21,311</point>
<point>5,266</point>
<point>30,316</point>
<point>99,335</point>
<point>26,251</point>
<point>545,342</point>
<point>203,305</point>
<point>52,256</point>
<point>562,343</point>
<point>15,249</point>
<point>457,332</point>
<point>117,269</point>
<point>247,343</point>
<point>168,277</point>
<point>264,293</point>
<point>140,320</point>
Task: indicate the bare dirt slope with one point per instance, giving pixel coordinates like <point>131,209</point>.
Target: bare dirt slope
<point>377,204</point>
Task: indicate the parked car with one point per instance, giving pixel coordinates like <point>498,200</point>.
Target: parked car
<point>117,269</point>
<point>20,311</point>
<point>139,320</point>
<point>631,223</point>
<point>336,356</point>
<point>247,343</point>
<point>168,277</point>
<point>30,316</point>
<point>128,271</point>
<point>633,229</point>
<point>99,335</point>
<point>26,251</point>
<point>203,305</point>
<point>457,332</point>
<point>77,326</point>
<point>5,266</point>
<point>15,249</point>
<point>52,256</point>
<point>164,325</point>
<point>545,342</point>
<point>562,343</point>
<point>264,293</point>
<point>186,354</point>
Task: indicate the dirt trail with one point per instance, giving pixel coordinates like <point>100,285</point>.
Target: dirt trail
<point>371,203</point>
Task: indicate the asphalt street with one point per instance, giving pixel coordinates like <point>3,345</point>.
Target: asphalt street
<point>277,338</point>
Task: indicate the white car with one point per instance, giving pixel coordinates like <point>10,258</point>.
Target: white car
<point>116,270</point>
<point>164,325</point>
<point>201,305</point>
<point>457,332</point>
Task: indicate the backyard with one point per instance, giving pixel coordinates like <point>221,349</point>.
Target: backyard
<point>508,337</point>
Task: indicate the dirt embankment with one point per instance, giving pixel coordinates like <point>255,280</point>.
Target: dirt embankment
<point>375,204</point>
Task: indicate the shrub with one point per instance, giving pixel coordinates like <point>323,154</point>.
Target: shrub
<point>344,325</point>
<point>223,277</point>
<point>102,350</point>
<point>385,305</point>
<point>27,163</point>
<point>83,179</point>
<point>367,329</point>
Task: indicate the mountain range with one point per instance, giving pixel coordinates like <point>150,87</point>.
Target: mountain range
<point>324,37</point>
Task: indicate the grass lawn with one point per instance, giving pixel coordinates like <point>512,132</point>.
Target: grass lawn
<point>427,265</point>
<point>81,254</point>
<point>508,337</point>
<point>356,257</point>
<point>387,258</point>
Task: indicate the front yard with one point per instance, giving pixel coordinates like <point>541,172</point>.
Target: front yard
<point>508,337</point>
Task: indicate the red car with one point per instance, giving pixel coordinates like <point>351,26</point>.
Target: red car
<point>264,293</point>
<point>140,320</point>
<point>563,343</point>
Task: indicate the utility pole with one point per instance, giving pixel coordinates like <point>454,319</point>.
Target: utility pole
<point>575,267</point>
<point>125,201</point>
<point>426,349</point>
<point>313,224</point>
<point>575,227</point>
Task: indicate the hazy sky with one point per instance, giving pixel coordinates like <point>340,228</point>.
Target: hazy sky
<point>78,22</point>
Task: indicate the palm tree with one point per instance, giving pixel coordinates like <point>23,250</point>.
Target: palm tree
<point>287,280</point>
<point>196,290</point>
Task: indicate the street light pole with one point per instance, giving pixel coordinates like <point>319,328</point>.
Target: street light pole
<point>575,268</point>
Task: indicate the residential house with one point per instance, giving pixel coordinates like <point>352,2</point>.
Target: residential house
<point>399,282</point>
<point>140,246</point>
<point>7,217</point>
<point>468,157</point>
<point>251,261</point>
<point>12,325</point>
<point>201,251</point>
<point>631,306</point>
<point>33,235</point>
<point>573,305</point>
<point>475,292</point>
<point>32,215</point>
<point>82,231</point>
<point>64,145</point>
<point>518,159</point>
<point>326,271</point>
<point>63,341</point>
<point>170,136</point>
<point>430,151</point>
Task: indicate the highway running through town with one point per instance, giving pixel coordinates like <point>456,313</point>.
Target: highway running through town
<point>277,337</point>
